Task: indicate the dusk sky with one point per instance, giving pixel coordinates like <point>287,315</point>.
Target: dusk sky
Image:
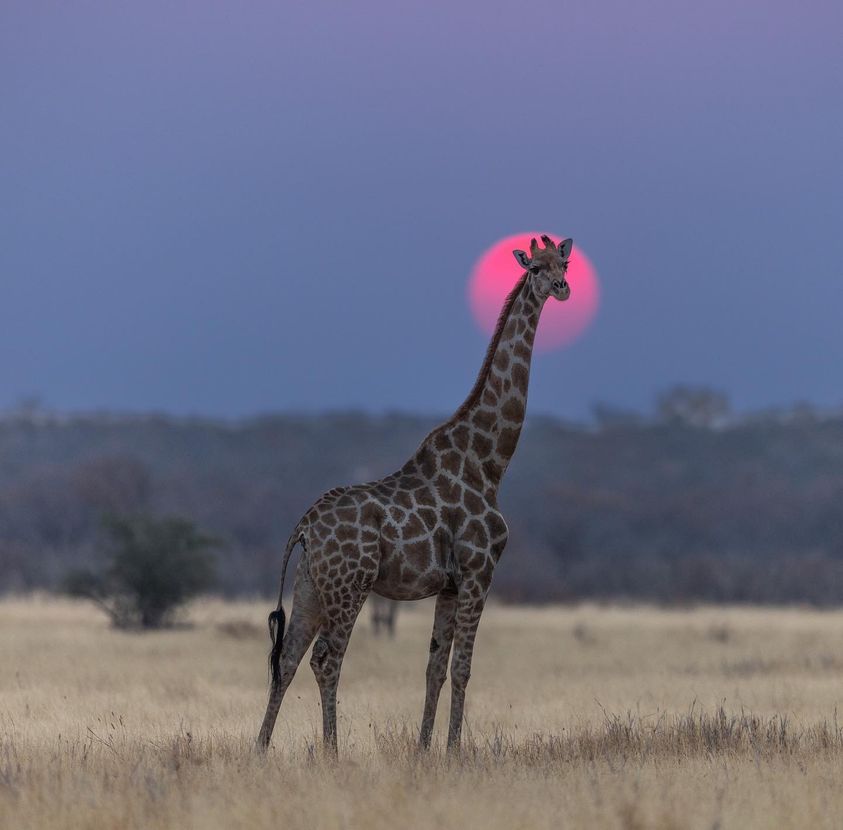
<point>231,208</point>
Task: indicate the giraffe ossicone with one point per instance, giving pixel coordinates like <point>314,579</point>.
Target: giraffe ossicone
<point>433,528</point>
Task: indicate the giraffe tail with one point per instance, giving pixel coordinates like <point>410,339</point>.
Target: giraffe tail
<point>277,619</point>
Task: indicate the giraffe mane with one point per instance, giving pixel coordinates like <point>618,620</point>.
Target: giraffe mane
<point>477,389</point>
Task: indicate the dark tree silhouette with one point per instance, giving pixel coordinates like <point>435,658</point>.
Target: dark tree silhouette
<point>152,566</point>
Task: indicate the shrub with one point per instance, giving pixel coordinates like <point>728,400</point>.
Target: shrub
<point>152,566</point>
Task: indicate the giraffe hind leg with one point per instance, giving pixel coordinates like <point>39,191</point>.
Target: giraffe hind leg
<point>305,619</point>
<point>342,598</point>
<point>326,662</point>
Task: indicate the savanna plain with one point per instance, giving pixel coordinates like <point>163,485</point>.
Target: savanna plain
<point>584,716</point>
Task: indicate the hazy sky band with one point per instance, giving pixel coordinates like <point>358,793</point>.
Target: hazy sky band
<point>226,208</point>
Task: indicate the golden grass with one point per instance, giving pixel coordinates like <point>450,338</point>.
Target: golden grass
<point>576,717</point>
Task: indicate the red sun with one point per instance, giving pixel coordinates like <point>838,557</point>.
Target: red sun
<point>496,272</point>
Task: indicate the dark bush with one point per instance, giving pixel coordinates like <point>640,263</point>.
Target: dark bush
<point>152,566</point>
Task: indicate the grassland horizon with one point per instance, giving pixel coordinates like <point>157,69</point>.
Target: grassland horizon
<point>579,716</point>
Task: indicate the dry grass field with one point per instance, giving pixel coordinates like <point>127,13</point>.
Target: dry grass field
<point>576,717</point>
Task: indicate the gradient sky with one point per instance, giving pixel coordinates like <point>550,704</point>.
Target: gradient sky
<point>227,208</point>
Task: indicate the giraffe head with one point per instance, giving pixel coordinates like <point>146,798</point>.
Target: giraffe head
<point>547,267</point>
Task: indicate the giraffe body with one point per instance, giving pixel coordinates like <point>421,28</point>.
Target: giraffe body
<point>432,528</point>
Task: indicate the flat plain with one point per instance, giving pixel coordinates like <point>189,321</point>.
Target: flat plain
<point>580,716</point>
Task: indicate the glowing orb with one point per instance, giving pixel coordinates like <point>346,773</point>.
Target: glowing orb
<point>496,272</point>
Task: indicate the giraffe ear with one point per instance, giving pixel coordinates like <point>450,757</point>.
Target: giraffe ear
<point>565,248</point>
<point>523,260</point>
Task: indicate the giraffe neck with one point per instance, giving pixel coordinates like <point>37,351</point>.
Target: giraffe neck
<point>494,410</point>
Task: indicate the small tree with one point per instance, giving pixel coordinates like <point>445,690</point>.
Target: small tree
<point>152,567</point>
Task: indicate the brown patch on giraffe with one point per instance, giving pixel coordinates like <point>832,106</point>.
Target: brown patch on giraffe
<point>449,490</point>
<point>497,526</point>
<point>329,519</point>
<point>385,489</point>
<point>489,398</point>
<point>410,482</point>
<point>442,441</point>
<point>427,462</point>
<point>451,462</point>
<point>346,514</point>
<point>443,543</point>
<point>510,329</point>
<point>481,445</point>
<point>371,513</point>
<point>345,499</point>
<point>450,517</point>
<point>508,441</point>
<point>404,499</point>
<point>472,475</point>
<point>473,503</point>
<point>501,362</point>
<point>476,532</point>
<point>397,514</point>
<point>521,352</point>
<point>429,517</point>
<point>492,470</point>
<point>520,377</point>
<point>483,419</point>
<point>461,435</point>
<point>346,533</point>
<point>476,561</point>
<point>484,575</point>
<point>414,527</point>
<point>424,497</point>
<point>513,410</point>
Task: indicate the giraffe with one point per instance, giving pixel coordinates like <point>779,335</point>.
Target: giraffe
<point>433,528</point>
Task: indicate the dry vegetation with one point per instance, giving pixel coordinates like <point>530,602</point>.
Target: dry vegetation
<point>577,717</point>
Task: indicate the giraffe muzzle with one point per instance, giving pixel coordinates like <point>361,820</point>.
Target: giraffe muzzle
<point>561,290</point>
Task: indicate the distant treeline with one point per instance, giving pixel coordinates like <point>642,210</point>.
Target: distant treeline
<point>688,504</point>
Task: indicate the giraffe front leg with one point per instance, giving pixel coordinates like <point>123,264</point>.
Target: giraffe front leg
<point>437,664</point>
<point>470,604</point>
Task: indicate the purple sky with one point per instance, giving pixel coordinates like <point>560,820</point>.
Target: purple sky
<point>225,208</point>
